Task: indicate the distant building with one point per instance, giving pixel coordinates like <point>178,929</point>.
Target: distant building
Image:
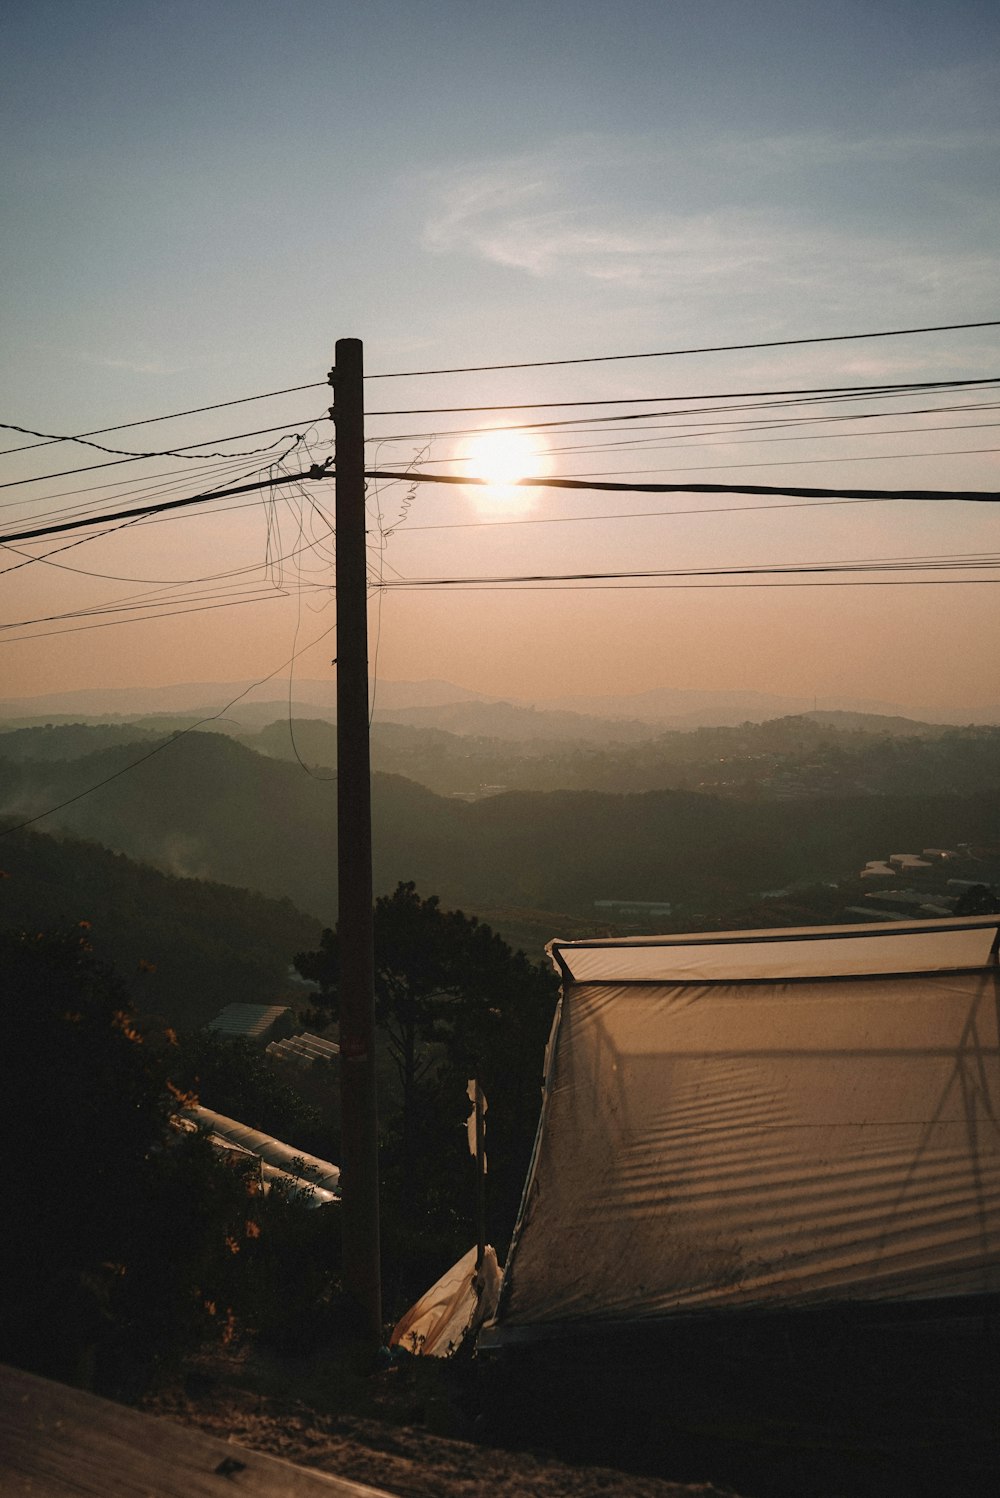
<point>302,1052</point>
<point>876,869</point>
<point>917,902</point>
<point>908,863</point>
<point>870,913</point>
<point>258,1023</point>
<point>634,907</point>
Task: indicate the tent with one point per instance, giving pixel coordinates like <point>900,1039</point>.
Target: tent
<point>759,1121</point>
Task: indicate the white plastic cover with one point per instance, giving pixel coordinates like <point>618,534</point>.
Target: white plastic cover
<point>285,1157</point>
<point>727,1144</point>
<point>802,952</point>
<point>452,1308</point>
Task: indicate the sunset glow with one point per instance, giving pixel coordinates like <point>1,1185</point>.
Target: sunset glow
<point>501,458</point>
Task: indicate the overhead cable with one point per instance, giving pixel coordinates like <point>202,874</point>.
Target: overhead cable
<point>130,452</point>
<point>483,368</point>
<point>148,421</point>
<point>929,564</point>
<point>671,353</point>
<point>171,504</point>
<point>176,452</point>
<point>323,471</point>
<point>825,391</point>
<point>795,492</point>
<point>571,423</point>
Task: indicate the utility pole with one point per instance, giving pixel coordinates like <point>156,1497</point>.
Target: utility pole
<point>479,1102</point>
<point>355,930</point>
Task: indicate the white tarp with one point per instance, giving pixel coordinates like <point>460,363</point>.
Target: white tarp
<point>727,1143</point>
<point>452,1309</point>
<point>322,1175</point>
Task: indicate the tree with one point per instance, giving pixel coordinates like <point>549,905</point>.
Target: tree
<point>452,1001</point>
<point>126,1240</point>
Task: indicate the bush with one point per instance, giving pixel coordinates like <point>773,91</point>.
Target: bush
<point>127,1240</point>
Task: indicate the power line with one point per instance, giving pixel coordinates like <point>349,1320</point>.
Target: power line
<point>462,525</point>
<point>570,424</point>
<point>130,452</point>
<point>964,562</point>
<point>795,492</point>
<point>150,484</point>
<point>319,471</point>
<point>957,452</point>
<point>671,353</point>
<point>483,368</point>
<point>324,471</point>
<point>697,436</point>
<point>175,452</point>
<point>653,587</point>
<point>150,420</point>
<point>825,391</point>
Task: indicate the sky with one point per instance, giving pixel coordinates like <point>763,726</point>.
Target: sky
<point>200,199</point>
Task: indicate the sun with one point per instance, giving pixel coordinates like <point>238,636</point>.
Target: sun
<point>500,459</point>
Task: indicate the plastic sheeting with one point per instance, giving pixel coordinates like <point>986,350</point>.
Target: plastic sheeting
<point>285,1158</point>
<point>720,1143</point>
<point>452,1309</point>
<point>800,952</point>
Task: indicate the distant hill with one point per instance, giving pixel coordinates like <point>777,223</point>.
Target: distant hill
<point>678,708</point>
<point>508,720</point>
<point>56,741</point>
<point>691,708</point>
<point>184,697</point>
<point>212,808</point>
<point>812,754</point>
<point>201,945</point>
<point>845,722</point>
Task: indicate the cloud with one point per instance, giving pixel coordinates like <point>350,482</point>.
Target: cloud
<point>521,215</point>
<point>130,366</point>
<point>568,214</point>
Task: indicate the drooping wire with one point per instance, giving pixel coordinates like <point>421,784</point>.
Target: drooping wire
<point>147,421</point>
<point>483,368</point>
<point>174,452</point>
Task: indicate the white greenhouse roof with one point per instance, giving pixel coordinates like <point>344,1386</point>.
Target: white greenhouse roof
<point>946,945</point>
<point>768,1119</point>
<point>321,1174</point>
<point>249,1020</point>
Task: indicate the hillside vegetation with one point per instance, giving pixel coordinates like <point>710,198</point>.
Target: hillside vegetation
<point>211,808</point>
<point>184,947</point>
<point>824,753</point>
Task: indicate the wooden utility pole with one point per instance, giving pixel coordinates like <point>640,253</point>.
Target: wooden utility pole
<point>479,1102</point>
<point>355,931</point>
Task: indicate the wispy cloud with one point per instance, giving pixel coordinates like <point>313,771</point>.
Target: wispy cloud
<point>563,214</point>
<point>128,366</point>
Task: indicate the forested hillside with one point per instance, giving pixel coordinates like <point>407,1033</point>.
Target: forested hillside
<point>185,947</point>
<point>831,753</point>
<point>211,808</point>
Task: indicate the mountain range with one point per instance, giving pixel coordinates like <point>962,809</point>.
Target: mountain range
<point>443,704</point>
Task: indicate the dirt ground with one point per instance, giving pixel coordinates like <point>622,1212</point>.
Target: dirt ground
<point>873,1427</point>
<point>240,1399</point>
